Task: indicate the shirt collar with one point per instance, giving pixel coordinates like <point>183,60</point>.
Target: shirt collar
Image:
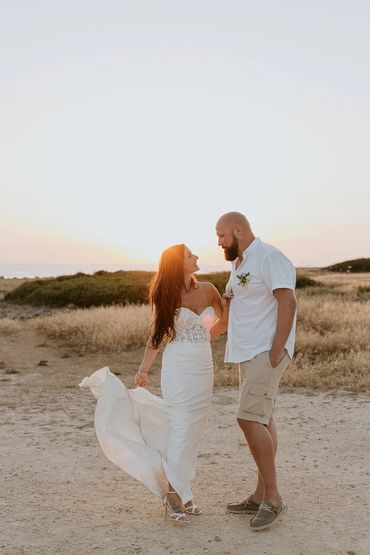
<point>251,247</point>
<point>248,250</point>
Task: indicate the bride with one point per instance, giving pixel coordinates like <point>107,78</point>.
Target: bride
<point>157,440</point>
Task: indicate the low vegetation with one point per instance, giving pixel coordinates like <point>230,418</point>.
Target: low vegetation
<point>332,350</point>
<point>103,329</point>
<point>8,325</point>
<point>359,265</point>
<point>104,288</point>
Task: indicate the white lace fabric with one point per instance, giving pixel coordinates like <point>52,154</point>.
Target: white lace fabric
<point>192,327</point>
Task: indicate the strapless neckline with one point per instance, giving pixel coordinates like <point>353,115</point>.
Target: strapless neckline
<point>193,311</point>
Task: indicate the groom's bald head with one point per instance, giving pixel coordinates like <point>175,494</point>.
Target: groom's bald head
<point>231,219</point>
<point>234,234</point>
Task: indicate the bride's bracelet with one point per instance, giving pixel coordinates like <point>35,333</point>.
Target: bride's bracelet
<point>142,371</point>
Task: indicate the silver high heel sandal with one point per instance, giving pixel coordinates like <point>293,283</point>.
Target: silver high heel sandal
<point>177,518</point>
<point>192,509</point>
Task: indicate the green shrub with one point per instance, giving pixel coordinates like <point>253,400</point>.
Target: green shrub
<point>351,266</point>
<point>82,290</point>
<point>363,292</point>
<point>304,281</point>
<point>104,288</point>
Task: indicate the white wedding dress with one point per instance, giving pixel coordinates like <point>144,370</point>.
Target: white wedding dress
<point>152,439</point>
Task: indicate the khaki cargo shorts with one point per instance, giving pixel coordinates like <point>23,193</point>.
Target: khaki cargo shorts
<point>259,382</point>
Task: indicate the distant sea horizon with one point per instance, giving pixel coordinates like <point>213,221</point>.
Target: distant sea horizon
<point>19,271</point>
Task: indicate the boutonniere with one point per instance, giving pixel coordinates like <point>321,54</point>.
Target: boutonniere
<point>243,279</point>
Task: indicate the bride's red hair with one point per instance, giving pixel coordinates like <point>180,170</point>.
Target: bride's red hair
<point>165,293</point>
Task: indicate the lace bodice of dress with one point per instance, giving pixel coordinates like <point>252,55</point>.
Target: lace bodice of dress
<point>193,327</point>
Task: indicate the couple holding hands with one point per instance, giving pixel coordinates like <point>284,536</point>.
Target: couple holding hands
<point>156,440</point>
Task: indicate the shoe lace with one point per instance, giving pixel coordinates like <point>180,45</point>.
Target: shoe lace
<point>267,507</point>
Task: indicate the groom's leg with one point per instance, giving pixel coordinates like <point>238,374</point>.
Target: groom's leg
<point>258,386</point>
<point>259,492</point>
<point>262,444</point>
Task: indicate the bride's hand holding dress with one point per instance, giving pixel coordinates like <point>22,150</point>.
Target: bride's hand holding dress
<point>141,378</point>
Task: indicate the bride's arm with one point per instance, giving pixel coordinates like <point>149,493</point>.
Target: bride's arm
<point>221,308</point>
<point>217,329</point>
<point>221,304</point>
<point>150,354</point>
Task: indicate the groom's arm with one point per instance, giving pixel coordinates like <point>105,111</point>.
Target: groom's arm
<point>286,309</point>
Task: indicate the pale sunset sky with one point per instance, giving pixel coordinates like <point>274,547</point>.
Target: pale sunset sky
<point>128,126</point>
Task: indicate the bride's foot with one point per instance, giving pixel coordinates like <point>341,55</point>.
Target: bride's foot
<point>174,508</point>
<point>192,509</point>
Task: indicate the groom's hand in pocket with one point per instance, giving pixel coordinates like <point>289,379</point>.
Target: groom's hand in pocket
<point>275,357</point>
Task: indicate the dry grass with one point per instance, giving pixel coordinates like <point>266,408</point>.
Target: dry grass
<point>344,282</point>
<point>332,350</point>
<point>333,340</point>
<point>348,371</point>
<point>333,346</point>
<point>7,325</point>
<point>328,325</point>
<point>104,329</point>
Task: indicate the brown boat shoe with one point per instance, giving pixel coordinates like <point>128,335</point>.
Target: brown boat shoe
<point>248,507</point>
<point>268,514</point>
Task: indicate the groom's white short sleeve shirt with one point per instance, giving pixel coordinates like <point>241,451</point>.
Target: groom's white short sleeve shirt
<point>253,308</point>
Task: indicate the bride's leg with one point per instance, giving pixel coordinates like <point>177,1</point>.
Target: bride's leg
<point>174,500</point>
<point>182,450</point>
<point>187,395</point>
<point>192,509</point>
<point>174,506</point>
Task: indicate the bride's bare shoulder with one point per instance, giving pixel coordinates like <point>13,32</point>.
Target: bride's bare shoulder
<point>207,288</point>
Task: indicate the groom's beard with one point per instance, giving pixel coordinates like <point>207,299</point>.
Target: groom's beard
<point>232,252</point>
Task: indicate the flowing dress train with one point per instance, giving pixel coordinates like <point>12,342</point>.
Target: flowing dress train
<point>156,440</point>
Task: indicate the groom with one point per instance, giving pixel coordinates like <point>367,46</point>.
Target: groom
<point>261,335</point>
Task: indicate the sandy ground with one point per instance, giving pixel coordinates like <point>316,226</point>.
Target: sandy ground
<point>61,495</point>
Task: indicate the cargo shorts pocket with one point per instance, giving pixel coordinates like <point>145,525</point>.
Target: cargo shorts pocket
<point>258,399</point>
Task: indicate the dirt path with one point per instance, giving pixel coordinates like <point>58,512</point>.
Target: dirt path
<point>60,494</point>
